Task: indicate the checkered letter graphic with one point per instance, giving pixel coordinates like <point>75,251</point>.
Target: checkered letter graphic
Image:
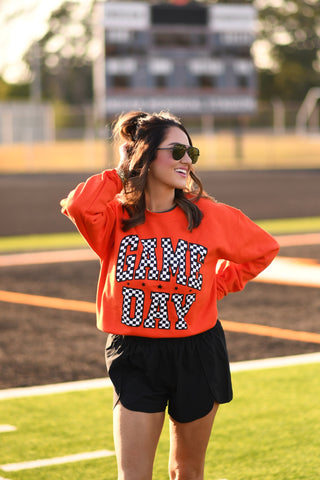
<point>132,306</point>
<point>174,260</point>
<point>128,261</point>
<point>197,255</point>
<point>158,309</point>
<point>148,260</point>
<point>182,310</point>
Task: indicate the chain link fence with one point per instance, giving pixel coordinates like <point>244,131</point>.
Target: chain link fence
<point>43,137</point>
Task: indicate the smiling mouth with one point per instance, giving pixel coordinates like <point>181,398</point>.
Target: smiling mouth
<point>182,171</point>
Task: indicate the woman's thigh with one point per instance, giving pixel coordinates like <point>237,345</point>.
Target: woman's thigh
<point>188,445</point>
<point>136,436</point>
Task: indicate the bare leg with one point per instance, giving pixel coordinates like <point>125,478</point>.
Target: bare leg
<point>189,443</point>
<point>136,436</point>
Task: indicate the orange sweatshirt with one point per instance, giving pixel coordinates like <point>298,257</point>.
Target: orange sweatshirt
<point>158,279</point>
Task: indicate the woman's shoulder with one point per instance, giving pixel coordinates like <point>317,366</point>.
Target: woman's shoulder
<point>206,202</point>
<point>209,204</point>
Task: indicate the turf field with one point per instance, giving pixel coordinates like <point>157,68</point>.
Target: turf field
<point>269,431</point>
<point>45,344</point>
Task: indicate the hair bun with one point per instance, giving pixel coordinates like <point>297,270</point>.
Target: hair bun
<point>127,124</point>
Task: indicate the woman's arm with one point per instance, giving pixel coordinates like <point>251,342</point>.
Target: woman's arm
<point>247,251</point>
<point>91,208</point>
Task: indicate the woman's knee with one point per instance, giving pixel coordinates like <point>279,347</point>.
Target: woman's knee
<point>137,474</point>
<point>186,472</point>
<point>136,436</point>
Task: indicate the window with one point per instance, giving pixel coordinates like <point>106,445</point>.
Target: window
<point>206,81</point>
<point>120,81</point>
<point>242,81</point>
<point>160,81</point>
<point>179,39</point>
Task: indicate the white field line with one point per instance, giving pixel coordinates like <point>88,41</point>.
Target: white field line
<point>276,362</point>
<point>47,462</point>
<point>85,254</point>
<point>301,272</point>
<point>7,428</point>
<point>40,390</point>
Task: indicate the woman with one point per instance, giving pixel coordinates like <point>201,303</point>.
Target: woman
<point>159,239</point>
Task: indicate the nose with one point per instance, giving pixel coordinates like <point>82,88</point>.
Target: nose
<point>186,158</point>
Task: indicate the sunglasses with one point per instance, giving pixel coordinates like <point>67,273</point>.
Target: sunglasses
<point>179,150</point>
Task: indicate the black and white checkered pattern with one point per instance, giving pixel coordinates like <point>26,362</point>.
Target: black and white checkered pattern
<point>130,295</point>
<point>121,273</point>
<point>172,260</point>
<point>158,309</point>
<point>174,264</point>
<point>148,260</point>
<point>197,255</point>
<point>182,310</point>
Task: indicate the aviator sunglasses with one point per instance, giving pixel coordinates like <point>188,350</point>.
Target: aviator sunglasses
<point>179,150</point>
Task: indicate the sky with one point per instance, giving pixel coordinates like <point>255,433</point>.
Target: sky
<point>18,32</point>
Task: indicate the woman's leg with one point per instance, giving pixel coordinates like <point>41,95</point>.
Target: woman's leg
<point>188,447</point>
<point>136,436</point>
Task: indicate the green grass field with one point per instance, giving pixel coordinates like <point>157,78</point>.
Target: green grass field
<point>58,241</point>
<point>270,431</point>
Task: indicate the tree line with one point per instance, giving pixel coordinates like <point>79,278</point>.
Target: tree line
<point>288,34</point>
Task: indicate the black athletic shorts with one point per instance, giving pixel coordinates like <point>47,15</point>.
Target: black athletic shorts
<point>188,374</point>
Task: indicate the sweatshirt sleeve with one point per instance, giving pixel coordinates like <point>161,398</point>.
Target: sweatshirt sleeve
<point>91,209</point>
<point>247,251</point>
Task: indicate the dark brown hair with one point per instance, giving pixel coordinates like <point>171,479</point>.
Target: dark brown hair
<point>143,133</point>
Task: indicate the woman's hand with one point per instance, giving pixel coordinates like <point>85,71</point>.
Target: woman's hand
<point>123,155</point>
<point>123,160</point>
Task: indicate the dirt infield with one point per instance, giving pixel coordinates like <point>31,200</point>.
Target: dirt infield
<point>30,203</point>
<point>40,345</point>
